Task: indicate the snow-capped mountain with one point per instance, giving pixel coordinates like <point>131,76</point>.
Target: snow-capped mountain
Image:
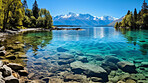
<point>82,19</point>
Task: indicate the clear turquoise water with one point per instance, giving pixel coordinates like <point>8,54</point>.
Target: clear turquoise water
<point>44,48</point>
<point>126,45</point>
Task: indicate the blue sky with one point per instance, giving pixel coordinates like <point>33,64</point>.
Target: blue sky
<point>116,8</point>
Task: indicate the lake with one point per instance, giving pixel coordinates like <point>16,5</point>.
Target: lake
<point>52,52</point>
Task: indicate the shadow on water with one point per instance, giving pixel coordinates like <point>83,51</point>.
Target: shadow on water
<point>137,37</point>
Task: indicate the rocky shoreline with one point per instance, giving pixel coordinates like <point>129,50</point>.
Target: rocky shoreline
<point>63,67</point>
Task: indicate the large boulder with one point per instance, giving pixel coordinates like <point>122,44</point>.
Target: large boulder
<point>127,67</point>
<point>89,69</point>
<point>15,66</point>
<point>11,79</point>
<point>111,59</point>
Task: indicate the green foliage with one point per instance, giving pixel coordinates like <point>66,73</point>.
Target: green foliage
<point>35,10</point>
<point>45,19</point>
<point>33,21</point>
<point>28,13</point>
<point>123,22</point>
<point>1,14</point>
<point>26,21</point>
<point>145,20</point>
<point>40,22</point>
<point>116,25</point>
<point>129,20</point>
<point>136,21</point>
<point>14,14</point>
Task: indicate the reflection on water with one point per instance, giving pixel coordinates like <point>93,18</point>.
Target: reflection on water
<point>137,37</point>
<point>18,45</point>
<point>38,40</point>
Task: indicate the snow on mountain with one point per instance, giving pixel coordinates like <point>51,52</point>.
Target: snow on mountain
<point>82,19</point>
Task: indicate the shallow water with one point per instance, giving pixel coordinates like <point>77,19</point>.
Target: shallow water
<point>126,45</point>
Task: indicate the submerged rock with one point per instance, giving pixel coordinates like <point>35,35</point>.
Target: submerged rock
<point>144,64</point>
<point>55,80</point>
<point>95,79</point>
<point>127,67</point>
<point>61,49</point>
<point>109,66</point>
<point>15,66</point>
<point>77,78</point>
<point>120,82</point>
<point>89,69</point>
<point>115,79</point>
<point>130,81</point>
<point>98,57</point>
<point>31,75</point>
<point>66,56</point>
<point>64,62</point>
<point>111,59</point>
<point>82,59</point>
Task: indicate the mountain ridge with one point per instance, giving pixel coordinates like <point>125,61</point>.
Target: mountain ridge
<point>113,23</point>
<point>82,19</point>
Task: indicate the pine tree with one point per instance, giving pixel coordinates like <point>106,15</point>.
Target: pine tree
<point>25,4</point>
<point>128,12</point>
<point>35,10</point>
<point>135,15</point>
